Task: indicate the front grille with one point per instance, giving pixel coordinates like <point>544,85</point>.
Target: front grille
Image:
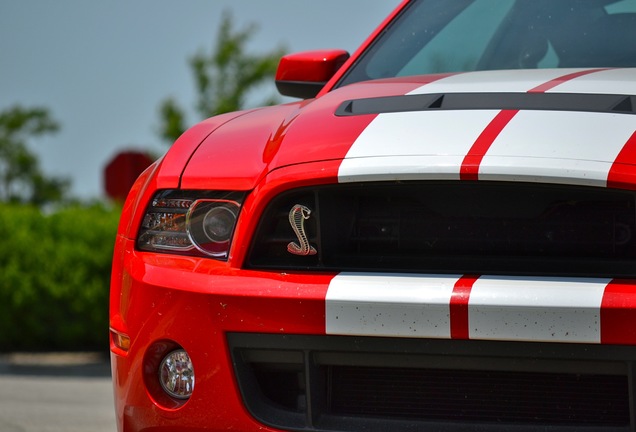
<point>480,396</point>
<point>454,227</point>
<point>329,383</point>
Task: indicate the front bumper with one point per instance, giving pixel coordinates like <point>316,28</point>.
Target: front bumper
<point>161,302</point>
<point>271,352</point>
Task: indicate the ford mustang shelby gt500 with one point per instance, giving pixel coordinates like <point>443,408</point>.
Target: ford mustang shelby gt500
<point>440,235</point>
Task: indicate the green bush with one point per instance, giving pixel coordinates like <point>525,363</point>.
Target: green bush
<point>54,277</point>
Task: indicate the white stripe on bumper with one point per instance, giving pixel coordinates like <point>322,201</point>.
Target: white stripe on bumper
<point>389,305</point>
<point>499,308</point>
<point>540,309</point>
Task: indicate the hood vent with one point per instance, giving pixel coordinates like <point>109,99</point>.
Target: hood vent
<point>599,103</point>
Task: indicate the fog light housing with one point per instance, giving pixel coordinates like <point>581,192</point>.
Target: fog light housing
<point>176,374</point>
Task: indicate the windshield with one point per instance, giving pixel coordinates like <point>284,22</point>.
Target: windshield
<point>438,36</point>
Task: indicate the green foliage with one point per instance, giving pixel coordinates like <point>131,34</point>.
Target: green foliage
<point>54,277</point>
<point>224,78</point>
<point>173,119</point>
<point>21,179</point>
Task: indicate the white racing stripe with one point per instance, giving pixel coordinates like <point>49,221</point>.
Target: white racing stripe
<point>411,145</point>
<point>499,308</point>
<point>611,81</point>
<point>558,147</point>
<point>539,146</point>
<point>539,309</point>
<point>389,305</point>
<point>493,81</point>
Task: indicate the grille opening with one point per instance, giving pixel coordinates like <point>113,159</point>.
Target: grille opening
<point>283,385</point>
<point>340,383</point>
<point>480,396</point>
<point>456,227</point>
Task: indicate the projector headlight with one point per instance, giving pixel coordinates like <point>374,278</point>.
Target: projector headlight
<point>190,223</point>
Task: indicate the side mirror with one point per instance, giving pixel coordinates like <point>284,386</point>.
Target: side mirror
<point>303,75</point>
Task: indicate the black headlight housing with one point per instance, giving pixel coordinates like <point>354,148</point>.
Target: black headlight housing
<point>190,222</point>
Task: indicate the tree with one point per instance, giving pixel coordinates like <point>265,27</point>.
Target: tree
<point>223,78</point>
<point>21,178</point>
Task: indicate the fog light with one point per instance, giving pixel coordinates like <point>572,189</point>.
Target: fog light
<point>176,374</point>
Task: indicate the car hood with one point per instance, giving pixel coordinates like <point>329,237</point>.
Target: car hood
<point>569,126</point>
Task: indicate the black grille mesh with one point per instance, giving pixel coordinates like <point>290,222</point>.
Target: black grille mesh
<point>455,227</point>
<point>480,396</point>
<point>338,383</point>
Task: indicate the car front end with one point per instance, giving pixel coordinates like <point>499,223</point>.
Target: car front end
<point>449,251</point>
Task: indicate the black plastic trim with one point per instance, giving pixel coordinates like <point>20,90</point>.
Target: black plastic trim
<point>311,353</point>
<point>598,103</point>
<point>299,89</point>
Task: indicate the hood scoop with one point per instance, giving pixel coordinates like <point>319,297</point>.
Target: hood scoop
<point>598,103</point>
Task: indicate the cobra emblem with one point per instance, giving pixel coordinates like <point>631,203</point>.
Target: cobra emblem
<point>297,217</point>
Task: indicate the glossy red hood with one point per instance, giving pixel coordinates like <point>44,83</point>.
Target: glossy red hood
<point>239,152</point>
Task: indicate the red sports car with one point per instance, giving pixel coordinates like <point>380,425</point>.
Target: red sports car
<point>440,235</point>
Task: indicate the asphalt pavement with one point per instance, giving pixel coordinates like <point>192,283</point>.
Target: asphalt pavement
<point>56,392</point>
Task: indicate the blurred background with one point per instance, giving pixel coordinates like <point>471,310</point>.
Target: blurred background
<point>92,91</point>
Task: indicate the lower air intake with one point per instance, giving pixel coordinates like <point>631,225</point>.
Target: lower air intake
<point>480,396</point>
<point>350,384</point>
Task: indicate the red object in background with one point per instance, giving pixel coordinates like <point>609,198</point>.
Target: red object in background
<point>122,171</point>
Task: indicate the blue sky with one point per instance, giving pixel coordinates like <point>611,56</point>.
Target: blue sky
<point>103,67</point>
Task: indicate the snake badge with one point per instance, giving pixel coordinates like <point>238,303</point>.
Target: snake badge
<point>297,217</point>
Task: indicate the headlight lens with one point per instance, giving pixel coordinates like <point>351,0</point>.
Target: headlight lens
<point>190,222</point>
